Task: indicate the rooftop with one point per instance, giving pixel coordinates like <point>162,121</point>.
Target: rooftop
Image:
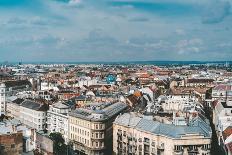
<point>197,126</point>
<point>34,105</point>
<point>98,111</point>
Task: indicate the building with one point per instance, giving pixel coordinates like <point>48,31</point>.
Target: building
<point>226,140</point>
<point>134,134</point>
<point>198,82</point>
<point>13,107</point>
<point>222,92</point>
<point>2,98</point>
<point>11,144</point>
<point>44,144</point>
<point>222,119</point>
<point>90,127</point>
<point>34,114</point>
<point>58,119</point>
<point>13,87</point>
<point>16,138</point>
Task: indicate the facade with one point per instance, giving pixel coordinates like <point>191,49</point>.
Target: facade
<point>16,138</point>
<point>90,127</point>
<point>44,144</point>
<point>2,99</point>
<point>222,92</point>
<point>222,115</point>
<point>198,82</point>
<point>136,135</point>
<point>11,144</point>
<point>34,114</point>
<point>13,87</point>
<point>58,119</point>
<point>13,108</point>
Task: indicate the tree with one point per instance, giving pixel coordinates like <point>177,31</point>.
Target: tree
<point>59,146</point>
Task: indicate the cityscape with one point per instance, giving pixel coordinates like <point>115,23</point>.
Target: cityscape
<point>119,109</point>
<point>115,77</point>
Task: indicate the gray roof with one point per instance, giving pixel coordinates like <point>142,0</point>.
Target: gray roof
<point>34,105</point>
<point>198,126</point>
<point>98,111</point>
<point>60,105</point>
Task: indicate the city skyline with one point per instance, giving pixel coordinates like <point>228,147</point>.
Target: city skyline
<point>115,30</point>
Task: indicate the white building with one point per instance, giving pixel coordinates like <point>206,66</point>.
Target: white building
<point>58,119</point>
<point>222,92</point>
<point>33,114</point>
<point>2,99</point>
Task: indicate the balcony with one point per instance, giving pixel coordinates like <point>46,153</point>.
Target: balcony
<point>146,141</point>
<point>193,151</point>
<point>119,133</point>
<point>160,147</point>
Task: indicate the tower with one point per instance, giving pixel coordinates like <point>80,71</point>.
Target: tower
<point>2,99</point>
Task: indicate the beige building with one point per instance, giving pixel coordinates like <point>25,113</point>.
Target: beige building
<point>136,135</point>
<point>90,127</point>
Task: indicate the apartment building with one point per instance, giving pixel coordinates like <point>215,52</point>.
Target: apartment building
<point>2,98</point>
<point>90,127</point>
<point>13,107</point>
<point>134,134</point>
<point>33,114</point>
<point>58,119</point>
<point>222,92</point>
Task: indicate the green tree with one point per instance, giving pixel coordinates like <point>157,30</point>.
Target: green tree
<point>59,146</point>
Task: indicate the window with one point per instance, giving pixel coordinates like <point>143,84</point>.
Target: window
<point>153,150</point>
<point>146,140</point>
<point>140,147</point>
<point>2,147</point>
<point>101,135</point>
<point>178,148</point>
<point>96,126</point>
<point>101,126</point>
<point>96,135</point>
<point>12,145</point>
<point>124,133</point>
<point>153,143</point>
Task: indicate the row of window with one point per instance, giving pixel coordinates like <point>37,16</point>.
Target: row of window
<point>85,141</point>
<point>87,124</point>
<point>79,131</point>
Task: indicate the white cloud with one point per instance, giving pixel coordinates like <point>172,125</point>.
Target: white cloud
<point>189,46</point>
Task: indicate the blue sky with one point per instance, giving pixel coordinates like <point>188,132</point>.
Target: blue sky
<point>115,30</point>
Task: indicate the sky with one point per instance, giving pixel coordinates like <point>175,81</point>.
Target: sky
<point>115,30</point>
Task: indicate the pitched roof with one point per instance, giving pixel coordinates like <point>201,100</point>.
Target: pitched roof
<point>34,105</point>
<point>18,101</point>
<point>131,120</point>
<point>227,132</point>
<point>17,83</point>
<point>199,80</point>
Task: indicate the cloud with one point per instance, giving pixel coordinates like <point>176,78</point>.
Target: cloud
<point>189,46</point>
<point>139,19</point>
<point>180,32</point>
<point>74,2</point>
<point>110,30</point>
<point>216,12</point>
